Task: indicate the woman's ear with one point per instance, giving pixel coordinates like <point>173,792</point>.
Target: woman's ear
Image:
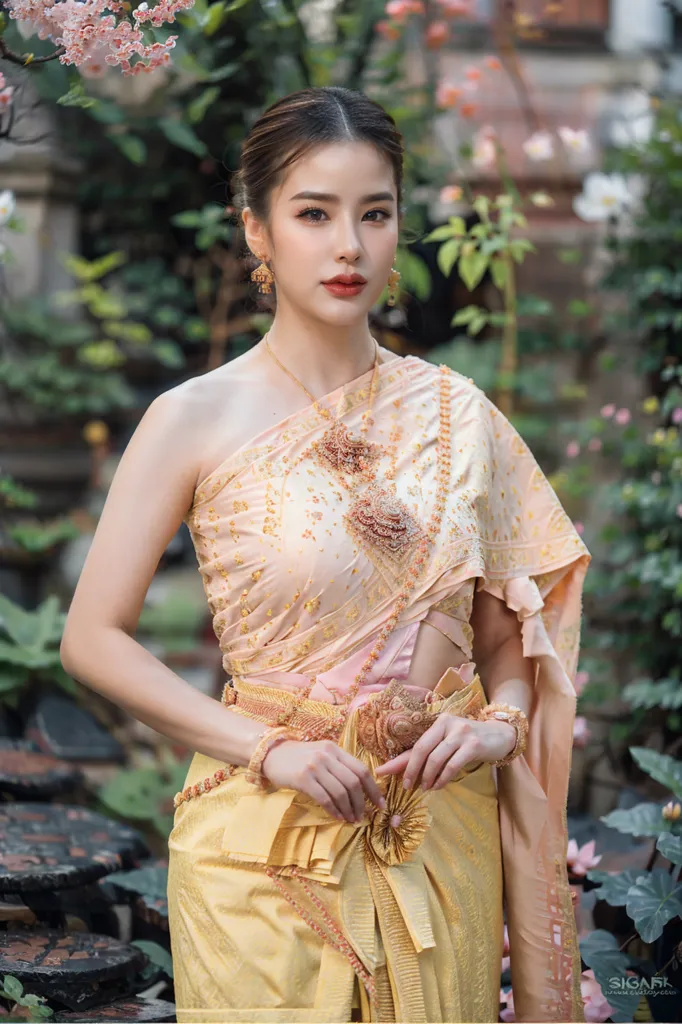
<point>254,233</point>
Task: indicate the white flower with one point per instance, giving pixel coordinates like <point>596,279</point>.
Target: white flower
<point>603,195</point>
<point>7,206</point>
<point>539,146</point>
<point>633,125</point>
<point>575,141</point>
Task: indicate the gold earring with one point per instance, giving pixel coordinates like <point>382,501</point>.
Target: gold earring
<point>393,280</point>
<point>263,277</point>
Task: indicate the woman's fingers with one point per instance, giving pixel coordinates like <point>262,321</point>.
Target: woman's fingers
<point>363,773</point>
<point>468,754</point>
<point>338,792</point>
<point>320,795</point>
<point>351,783</point>
<point>420,751</point>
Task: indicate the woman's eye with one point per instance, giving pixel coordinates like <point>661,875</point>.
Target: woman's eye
<point>315,214</point>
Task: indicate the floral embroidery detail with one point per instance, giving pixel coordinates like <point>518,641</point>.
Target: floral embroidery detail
<point>345,451</point>
<point>382,523</point>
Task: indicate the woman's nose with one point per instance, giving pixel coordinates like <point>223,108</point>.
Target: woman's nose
<point>348,243</point>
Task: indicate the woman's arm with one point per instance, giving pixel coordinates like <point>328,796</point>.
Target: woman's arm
<point>150,494</point>
<point>507,676</point>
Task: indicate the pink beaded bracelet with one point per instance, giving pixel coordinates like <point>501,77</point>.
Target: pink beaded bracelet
<point>254,771</point>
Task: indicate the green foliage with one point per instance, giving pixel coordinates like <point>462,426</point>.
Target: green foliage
<point>34,1008</point>
<point>29,648</point>
<point>146,794</point>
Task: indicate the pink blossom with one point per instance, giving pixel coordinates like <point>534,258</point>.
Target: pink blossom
<point>507,998</point>
<point>678,510</point>
<point>580,861</point>
<point>473,73</point>
<point>596,1007</point>
<point>436,34</point>
<point>455,8</point>
<point>493,63</point>
<point>677,415</point>
<point>468,110</point>
<point>448,95</point>
<point>595,444</point>
<point>388,30</point>
<point>581,732</point>
<point>623,417</point>
<point>575,141</point>
<point>484,154</point>
<point>451,194</point>
<point>607,411</point>
<point>581,680</point>
<point>6,97</point>
<point>2,80</point>
<point>579,528</point>
<point>399,10</point>
<point>573,449</point>
<point>82,27</point>
<point>539,146</point>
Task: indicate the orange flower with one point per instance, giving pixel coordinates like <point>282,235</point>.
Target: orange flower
<point>493,63</point>
<point>389,30</point>
<point>448,95</point>
<point>468,110</point>
<point>473,73</point>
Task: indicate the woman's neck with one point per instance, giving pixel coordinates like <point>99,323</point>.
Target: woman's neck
<point>323,356</point>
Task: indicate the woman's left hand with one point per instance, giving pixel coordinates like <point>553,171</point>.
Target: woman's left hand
<point>449,745</point>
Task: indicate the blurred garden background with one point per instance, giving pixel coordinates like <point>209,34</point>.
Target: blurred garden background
<point>542,259</point>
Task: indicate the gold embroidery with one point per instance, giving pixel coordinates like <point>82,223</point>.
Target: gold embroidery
<point>381,523</point>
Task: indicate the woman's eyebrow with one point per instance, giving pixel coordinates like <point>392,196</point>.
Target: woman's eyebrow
<point>328,197</point>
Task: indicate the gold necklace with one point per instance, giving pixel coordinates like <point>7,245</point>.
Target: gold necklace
<point>367,420</point>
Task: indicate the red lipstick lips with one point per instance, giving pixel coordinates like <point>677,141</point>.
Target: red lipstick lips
<point>344,285</point>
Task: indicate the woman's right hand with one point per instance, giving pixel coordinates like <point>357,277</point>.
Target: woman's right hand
<point>324,771</point>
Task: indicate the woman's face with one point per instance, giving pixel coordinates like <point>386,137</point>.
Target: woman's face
<point>336,213</point>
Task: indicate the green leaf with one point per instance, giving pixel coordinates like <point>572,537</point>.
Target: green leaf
<point>642,820</point>
<point>671,847</point>
<point>472,267</point>
<point>17,623</point>
<point>440,234</point>
<point>13,987</point>
<point>196,111</point>
<point>214,18</point>
<point>499,270</point>
<point>519,247</point>
<point>614,888</point>
<point>169,354</point>
<point>132,147</point>
<point>600,951</point>
<point>157,954</point>
<point>187,219</point>
<point>447,255</point>
<point>477,324</point>
<point>661,767</point>
<point>77,97</point>
<point>182,135</point>
<point>481,205</point>
<point>570,256</point>
<point>654,900</point>
<point>466,315</point>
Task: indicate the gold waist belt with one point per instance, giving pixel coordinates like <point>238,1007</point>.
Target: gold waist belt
<point>390,721</point>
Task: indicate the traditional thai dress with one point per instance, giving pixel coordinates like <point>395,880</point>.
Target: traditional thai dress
<point>281,913</point>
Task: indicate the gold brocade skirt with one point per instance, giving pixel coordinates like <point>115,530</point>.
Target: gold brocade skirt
<point>280,913</point>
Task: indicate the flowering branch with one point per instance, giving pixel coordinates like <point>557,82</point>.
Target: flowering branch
<point>24,59</point>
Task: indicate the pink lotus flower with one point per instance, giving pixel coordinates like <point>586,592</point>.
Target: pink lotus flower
<point>448,95</point>
<point>573,449</point>
<point>581,681</point>
<point>507,998</point>
<point>451,194</point>
<point>539,146</point>
<point>436,34</point>
<point>596,1006</point>
<point>623,417</point>
<point>677,415</point>
<point>607,411</point>
<point>581,732</point>
<point>595,444</point>
<point>582,860</point>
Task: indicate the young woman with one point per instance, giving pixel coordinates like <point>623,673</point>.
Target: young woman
<point>396,591</point>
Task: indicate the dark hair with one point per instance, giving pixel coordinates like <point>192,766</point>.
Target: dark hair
<point>297,123</point>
